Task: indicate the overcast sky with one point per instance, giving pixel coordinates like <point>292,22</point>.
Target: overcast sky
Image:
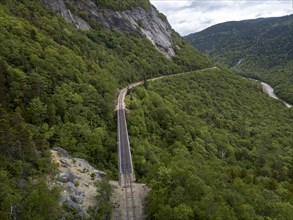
<point>189,16</point>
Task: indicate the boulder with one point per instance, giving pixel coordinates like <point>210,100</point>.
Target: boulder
<point>71,188</point>
<point>71,177</point>
<point>64,162</point>
<point>63,178</point>
<point>76,199</point>
<point>101,173</point>
<point>66,176</point>
<point>61,151</point>
<point>72,205</point>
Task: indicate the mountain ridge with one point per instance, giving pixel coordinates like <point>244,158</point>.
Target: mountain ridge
<point>264,45</point>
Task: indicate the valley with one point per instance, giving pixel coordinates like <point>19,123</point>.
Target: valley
<point>195,139</point>
<point>258,48</point>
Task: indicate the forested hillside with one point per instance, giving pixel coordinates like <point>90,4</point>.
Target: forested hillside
<point>260,49</point>
<point>211,145</point>
<point>58,87</point>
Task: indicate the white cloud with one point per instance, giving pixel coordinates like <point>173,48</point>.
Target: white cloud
<point>169,6</point>
<point>195,15</point>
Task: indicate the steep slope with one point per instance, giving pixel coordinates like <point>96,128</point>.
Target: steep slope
<point>211,145</point>
<point>260,48</point>
<point>57,87</point>
<point>145,21</point>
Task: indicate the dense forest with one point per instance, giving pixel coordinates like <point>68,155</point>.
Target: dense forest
<point>211,145</point>
<point>260,49</point>
<point>58,87</point>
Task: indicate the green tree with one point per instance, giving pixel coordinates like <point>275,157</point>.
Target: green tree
<point>3,83</point>
<point>104,200</point>
<point>41,203</point>
<point>37,111</point>
<point>182,212</point>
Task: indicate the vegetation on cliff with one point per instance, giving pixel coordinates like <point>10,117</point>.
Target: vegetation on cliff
<point>125,4</point>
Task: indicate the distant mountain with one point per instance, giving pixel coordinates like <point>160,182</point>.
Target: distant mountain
<point>260,48</point>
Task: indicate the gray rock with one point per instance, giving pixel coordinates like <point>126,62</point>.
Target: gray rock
<point>71,188</point>
<point>63,178</point>
<point>66,176</point>
<point>61,151</point>
<point>83,213</point>
<point>76,199</point>
<point>79,192</point>
<point>60,7</point>
<point>78,177</point>
<point>151,26</point>
<point>71,177</point>
<point>82,163</point>
<point>64,162</point>
<point>148,24</point>
<point>101,173</point>
<point>72,205</point>
<point>62,198</point>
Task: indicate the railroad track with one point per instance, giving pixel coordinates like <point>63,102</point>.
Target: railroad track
<point>126,173</point>
<point>129,198</point>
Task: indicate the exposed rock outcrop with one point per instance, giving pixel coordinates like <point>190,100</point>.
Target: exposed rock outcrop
<point>149,24</point>
<point>77,179</point>
<point>60,7</point>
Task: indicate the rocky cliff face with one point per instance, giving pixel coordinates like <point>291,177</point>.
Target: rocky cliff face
<point>149,24</point>
<point>60,7</point>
